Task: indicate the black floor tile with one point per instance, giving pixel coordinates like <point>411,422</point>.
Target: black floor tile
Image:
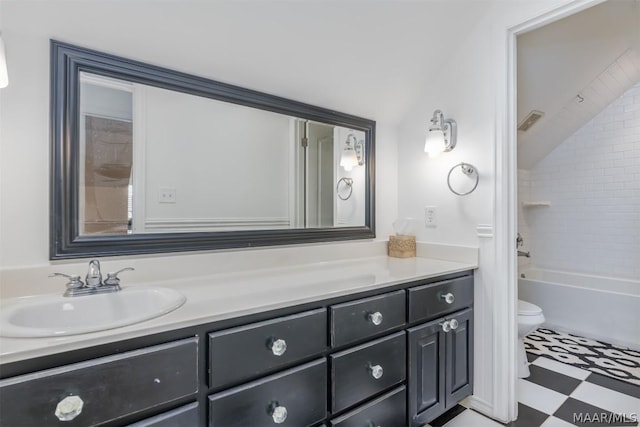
<point>553,380</point>
<point>448,416</point>
<point>528,417</point>
<point>614,384</point>
<point>582,414</point>
<point>531,357</point>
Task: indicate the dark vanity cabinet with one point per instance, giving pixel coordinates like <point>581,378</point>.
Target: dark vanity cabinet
<point>441,349</point>
<point>394,357</point>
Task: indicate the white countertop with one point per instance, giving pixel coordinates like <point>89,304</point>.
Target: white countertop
<point>223,296</point>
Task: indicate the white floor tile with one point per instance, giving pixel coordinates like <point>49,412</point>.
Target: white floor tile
<point>472,418</point>
<point>538,397</point>
<point>605,398</point>
<point>562,368</point>
<point>556,422</point>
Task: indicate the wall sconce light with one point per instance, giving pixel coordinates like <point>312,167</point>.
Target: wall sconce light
<point>4,76</point>
<point>441,136</point>
<point>353,154</point>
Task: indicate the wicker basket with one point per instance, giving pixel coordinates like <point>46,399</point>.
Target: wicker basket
<point>402,246</point>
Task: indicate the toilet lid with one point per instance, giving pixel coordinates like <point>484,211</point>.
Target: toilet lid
<point>528,309</point>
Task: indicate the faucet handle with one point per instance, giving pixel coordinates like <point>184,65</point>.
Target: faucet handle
<point>74,281</point>
<point>113,279</point>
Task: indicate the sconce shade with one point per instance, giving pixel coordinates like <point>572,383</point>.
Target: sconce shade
<point>441,136</point>
<point>4,76</point>
<point>434,144</point>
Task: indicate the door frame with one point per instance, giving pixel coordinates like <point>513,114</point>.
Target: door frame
<point>505,402</point>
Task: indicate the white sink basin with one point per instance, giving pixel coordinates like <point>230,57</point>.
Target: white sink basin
<point>53,315</point>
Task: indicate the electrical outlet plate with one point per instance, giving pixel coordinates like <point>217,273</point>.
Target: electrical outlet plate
<point>430,216</point>
<point>167,195</point>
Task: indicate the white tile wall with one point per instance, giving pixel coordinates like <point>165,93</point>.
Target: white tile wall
<point>592,180</point>
<point>524,194</point>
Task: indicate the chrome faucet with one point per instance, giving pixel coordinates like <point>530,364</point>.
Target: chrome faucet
<point>93,281</point>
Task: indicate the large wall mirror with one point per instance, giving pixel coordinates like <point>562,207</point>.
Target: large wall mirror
<point>149,160</point>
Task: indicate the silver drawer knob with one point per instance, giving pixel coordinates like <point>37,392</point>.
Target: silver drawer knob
<point>376,318</point>
<point>279,414</point>
<point>453,323</point>
<point>448,298</point>
<point>376,371</point>
<point>446,326</point>
<point>69,408</point>
<point>278,347</point>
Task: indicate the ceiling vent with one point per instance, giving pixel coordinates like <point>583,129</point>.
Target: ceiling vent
<point>530,120</point>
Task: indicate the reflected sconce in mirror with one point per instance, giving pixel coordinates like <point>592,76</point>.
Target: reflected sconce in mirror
<point>441,136</point>
<point>4,75</point>
<point>353,154</point>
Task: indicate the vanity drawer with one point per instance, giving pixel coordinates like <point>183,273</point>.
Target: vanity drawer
<point>368,369</point>
<point>296,397</point>
<point>389,410</point>
<point>185,416</point>
<point>432,300</point>
<point>249,351</point>
<point>109,388</point>
<point>356,320</point>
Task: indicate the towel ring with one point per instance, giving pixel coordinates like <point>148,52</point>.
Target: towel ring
<point>349,183</point>
<point>467,169</point>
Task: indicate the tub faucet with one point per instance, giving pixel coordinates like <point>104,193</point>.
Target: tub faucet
<point>524,254</point>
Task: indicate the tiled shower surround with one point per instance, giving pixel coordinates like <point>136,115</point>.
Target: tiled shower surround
<point>592,181</point>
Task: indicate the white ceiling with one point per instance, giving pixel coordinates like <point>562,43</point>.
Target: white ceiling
<point>594,54</point>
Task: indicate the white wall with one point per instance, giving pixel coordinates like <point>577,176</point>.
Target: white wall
<point>593,183</point>
<point>470,87</point>
<point>256,53</point>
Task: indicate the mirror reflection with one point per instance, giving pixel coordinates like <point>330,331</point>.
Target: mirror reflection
<point>152,160</point>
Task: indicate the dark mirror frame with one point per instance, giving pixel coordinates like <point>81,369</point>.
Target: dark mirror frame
<point>67,61</point>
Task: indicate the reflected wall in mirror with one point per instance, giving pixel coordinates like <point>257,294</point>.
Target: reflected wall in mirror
<point>149,160</point>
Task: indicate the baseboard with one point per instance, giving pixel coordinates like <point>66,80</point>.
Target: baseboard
<point>481,406</point>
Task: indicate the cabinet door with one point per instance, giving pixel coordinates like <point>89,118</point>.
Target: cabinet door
<point>426,366</point>
<point>459,358</point>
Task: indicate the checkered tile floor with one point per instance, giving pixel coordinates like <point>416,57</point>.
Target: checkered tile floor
<point>560,395</point>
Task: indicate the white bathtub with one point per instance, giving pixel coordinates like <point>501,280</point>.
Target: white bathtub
<point>602,308</point>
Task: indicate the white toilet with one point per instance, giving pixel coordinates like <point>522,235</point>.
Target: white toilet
<point>529,318</point>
